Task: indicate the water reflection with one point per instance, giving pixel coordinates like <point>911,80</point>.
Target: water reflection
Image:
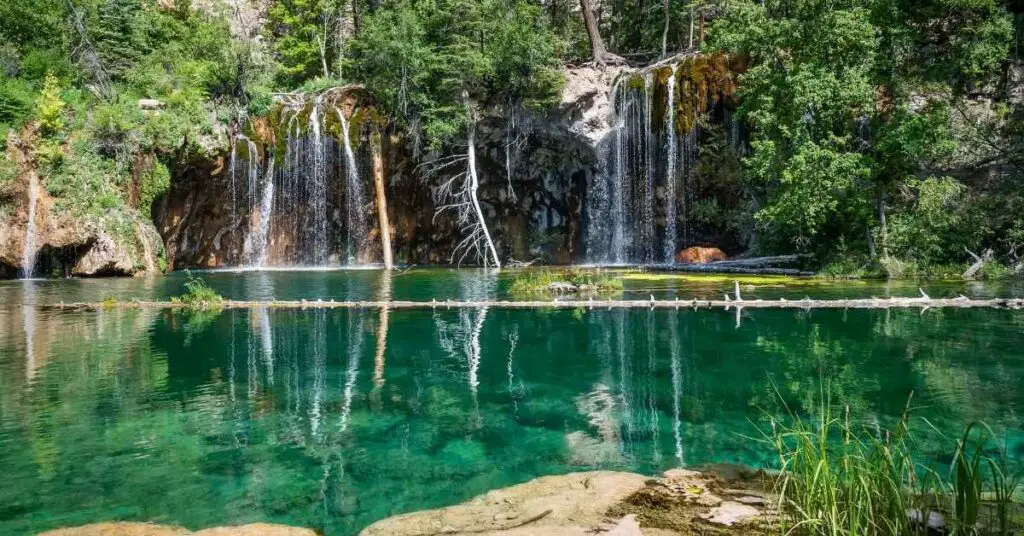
<point>206,418</point>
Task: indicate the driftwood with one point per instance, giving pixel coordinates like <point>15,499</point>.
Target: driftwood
<point>922,302</point>
<point>760,262</point>
<point>979,262</point>
<point>718,268</point>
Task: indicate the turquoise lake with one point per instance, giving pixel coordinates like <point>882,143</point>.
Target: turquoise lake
<point>333,419</point>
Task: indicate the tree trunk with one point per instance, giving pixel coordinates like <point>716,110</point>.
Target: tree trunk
<point>664,33</point>
<point>382,202</point>
<point>598,52</point>
<point>474,184</point>
<point>884,226</point>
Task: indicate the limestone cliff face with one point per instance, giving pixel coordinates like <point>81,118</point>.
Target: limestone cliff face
<point>62,243</point>
<point>534,168</point>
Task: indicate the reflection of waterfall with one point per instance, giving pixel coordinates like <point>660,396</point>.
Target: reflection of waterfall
<point>673,330</point>
<point>318,343</point>
<point>28,252</point>
<point>355,350</point>
<point>28,312</point>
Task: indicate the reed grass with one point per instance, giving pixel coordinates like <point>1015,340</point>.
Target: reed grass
<point>840,478</point>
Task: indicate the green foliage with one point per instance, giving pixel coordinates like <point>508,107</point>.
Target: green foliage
<point>422,57</point>
<point>50,108</point>
<point>307,38</point>
<point>198,294</point>
<point>154,182</point>
<point>850,102</point>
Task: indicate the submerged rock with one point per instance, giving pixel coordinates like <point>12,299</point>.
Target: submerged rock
<point>119,528</point>
<point>149,529</point>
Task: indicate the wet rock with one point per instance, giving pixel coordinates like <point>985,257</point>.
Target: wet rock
<point>256,529</point>
<point>149,529</point>
<point>731,513</point>
<point>118,529</point>
<point>562,287</point>
<point>564,505</point>
<point>699,255</point>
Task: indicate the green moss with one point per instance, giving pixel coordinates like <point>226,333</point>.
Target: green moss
<point>538,281</point>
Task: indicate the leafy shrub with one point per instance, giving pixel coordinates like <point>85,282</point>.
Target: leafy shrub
<point>198,294</point>
<point>50,107</point>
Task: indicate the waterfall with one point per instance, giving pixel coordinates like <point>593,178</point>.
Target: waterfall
<point>638,202</point>
<point>260,204</point>
<point>28,252</point>
<point>618,193</point>
<point>671,237</point>
<point>318,186</point>
<point>354,199</point>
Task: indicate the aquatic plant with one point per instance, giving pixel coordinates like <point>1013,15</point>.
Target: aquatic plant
<point>541,281</point>
<point>840,478</point>
<point>198,293</point>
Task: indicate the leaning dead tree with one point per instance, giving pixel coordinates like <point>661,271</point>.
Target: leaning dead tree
<point>458,194</point>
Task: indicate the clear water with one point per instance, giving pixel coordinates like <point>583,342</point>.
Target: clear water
<point>335,419</point>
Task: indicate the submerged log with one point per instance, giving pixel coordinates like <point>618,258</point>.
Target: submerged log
<point>717,267</point>
<point>760,262</point>
<point>923,302</point>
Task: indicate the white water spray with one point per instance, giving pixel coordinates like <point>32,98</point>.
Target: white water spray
<point>354,199</point>
<point>671,232</point>
<point>318,186</point>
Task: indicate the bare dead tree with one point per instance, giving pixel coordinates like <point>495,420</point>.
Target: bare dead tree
<point>85,53</point>
<point>459,194</point>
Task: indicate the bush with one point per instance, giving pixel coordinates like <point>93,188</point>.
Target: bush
<point>198,294</point>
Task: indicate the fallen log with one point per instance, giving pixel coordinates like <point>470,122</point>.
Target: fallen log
<point>760,262</point>
<point>717,268</point>
<point>979,262</point>
<point>923,302</point>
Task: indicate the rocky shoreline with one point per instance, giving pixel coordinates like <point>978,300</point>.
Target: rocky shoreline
<point>719,500</point>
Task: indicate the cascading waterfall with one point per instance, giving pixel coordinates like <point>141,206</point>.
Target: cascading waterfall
<point>28,252</point>
<point>354,198</point>
<point>638,204</point>
<point>671,237</point>
<point>306,200</point>
<point>318,185</point>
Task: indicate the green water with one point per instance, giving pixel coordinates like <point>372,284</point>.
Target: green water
<point>335,419</point>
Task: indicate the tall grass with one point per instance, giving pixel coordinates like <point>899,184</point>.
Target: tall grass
<point>839,478</point>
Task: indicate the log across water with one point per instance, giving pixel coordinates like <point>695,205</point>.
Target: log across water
<point>725,303</point>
